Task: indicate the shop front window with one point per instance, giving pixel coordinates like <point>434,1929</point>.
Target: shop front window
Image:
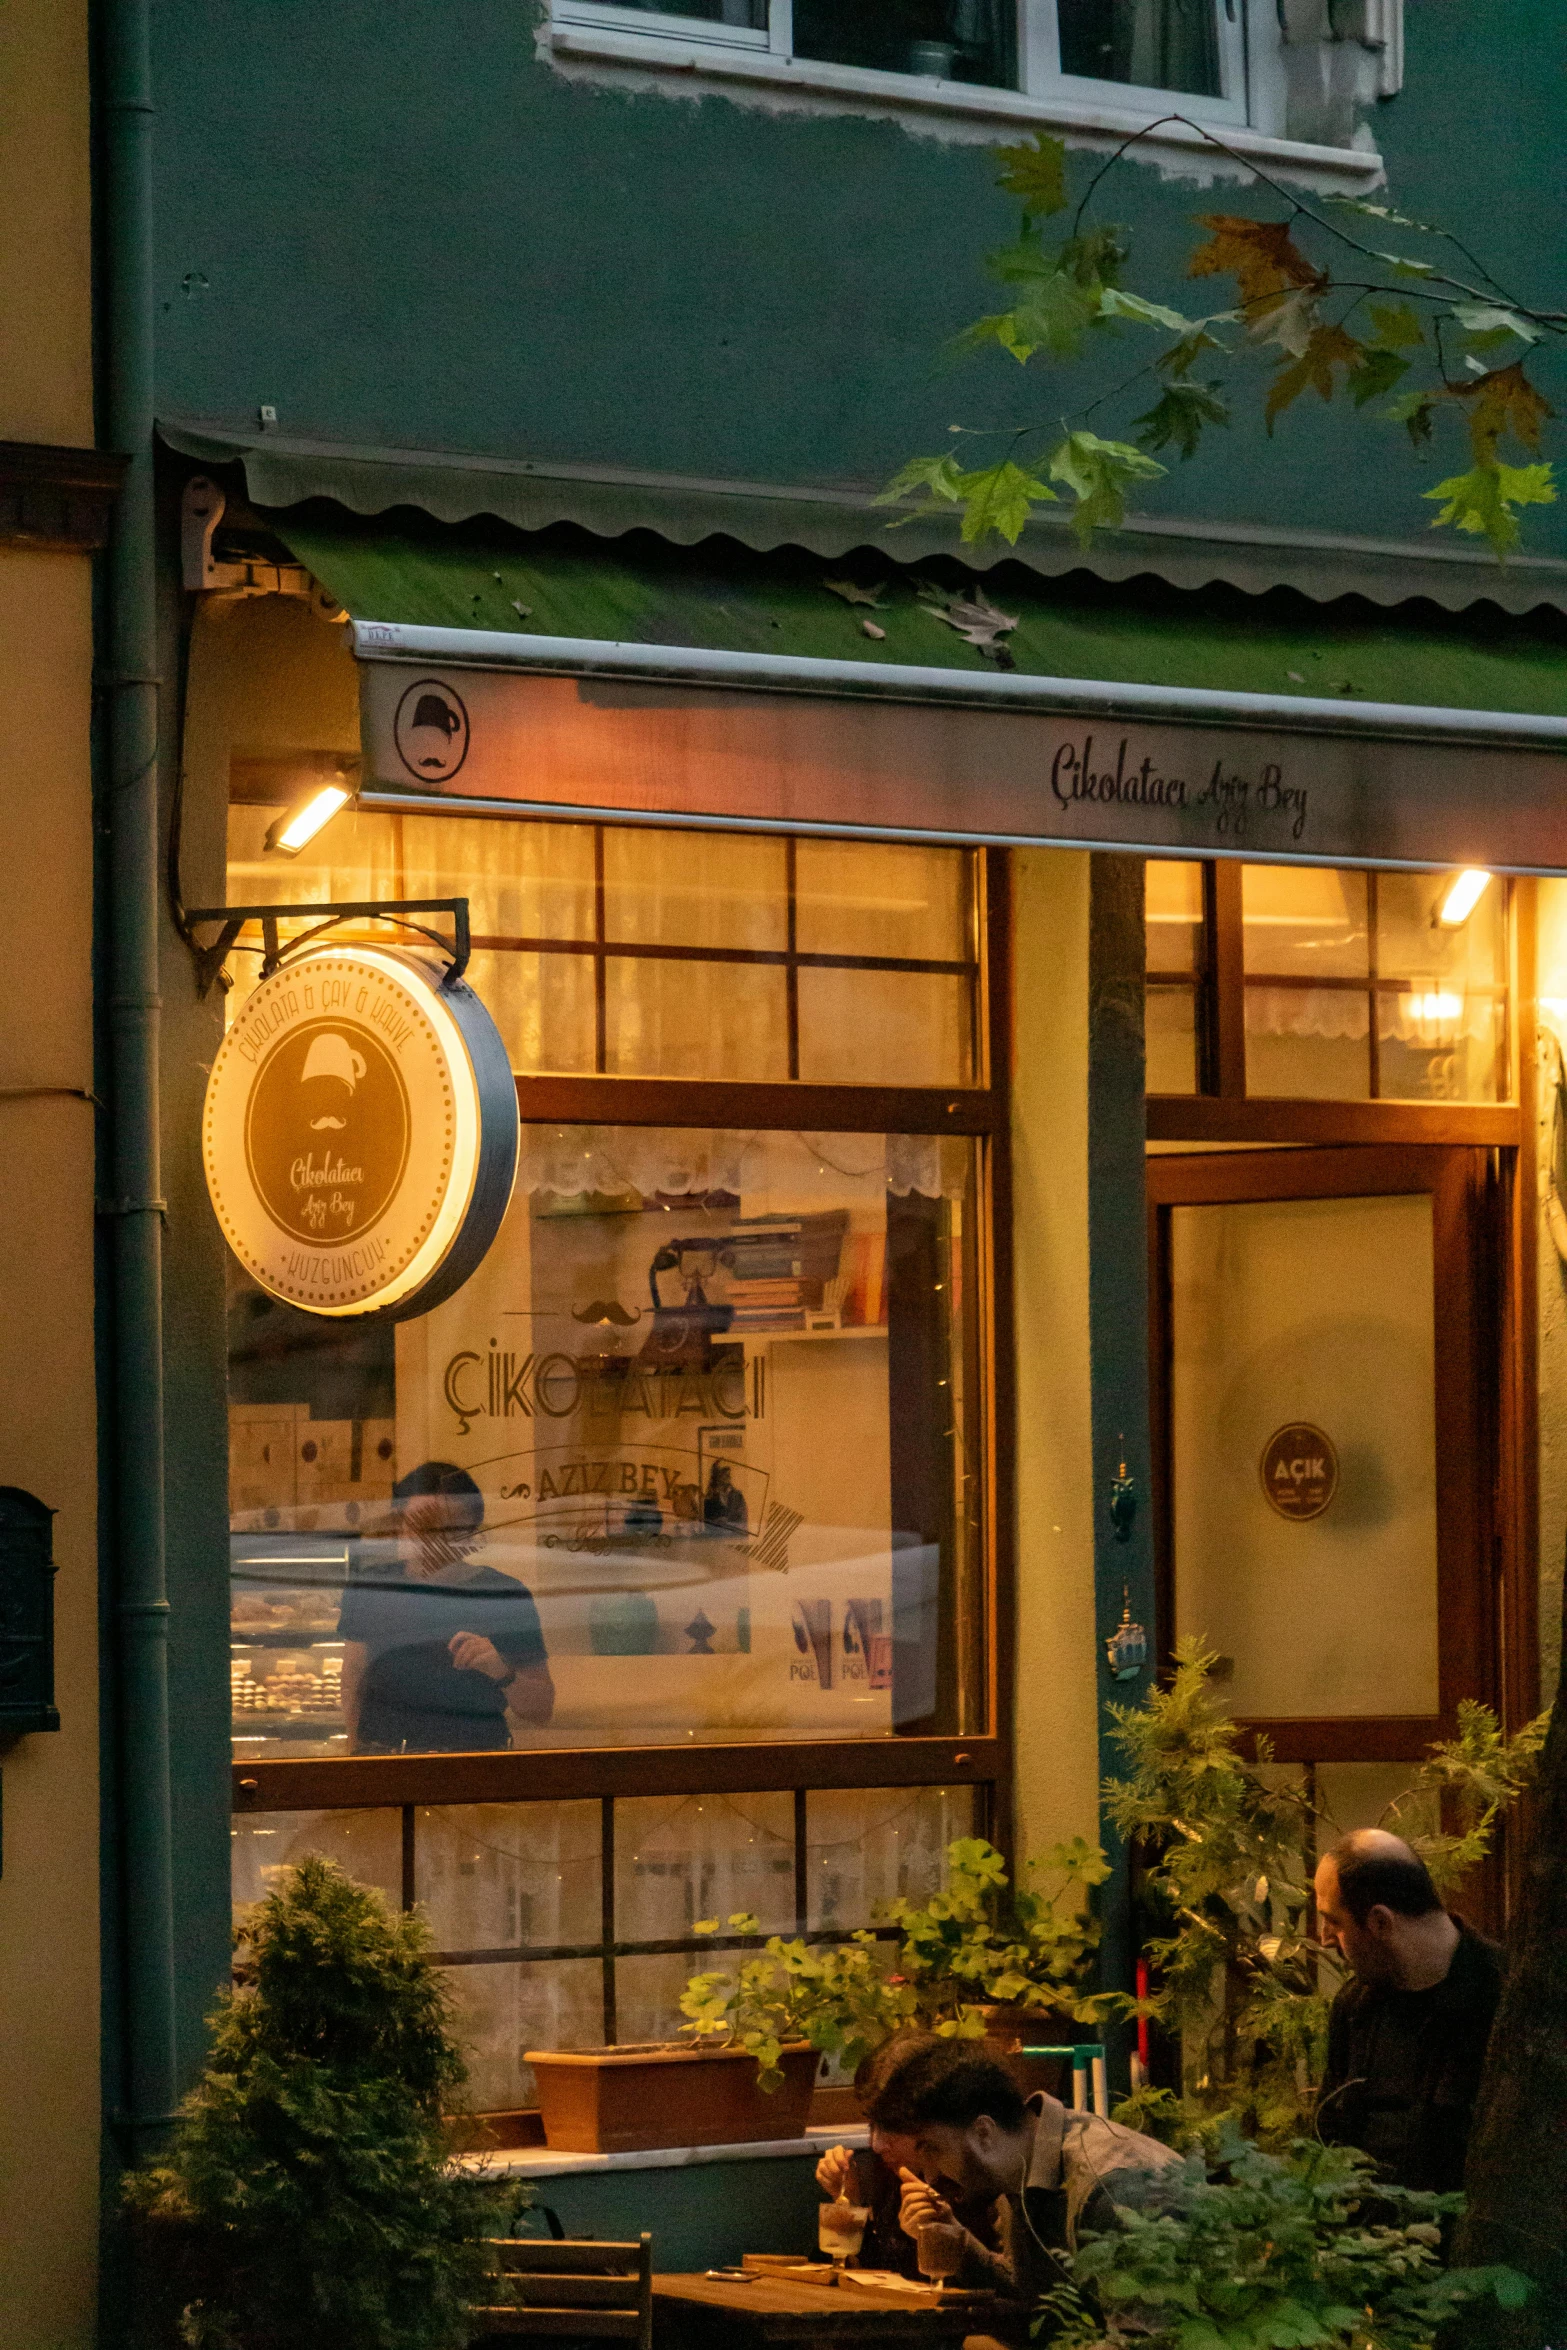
<point>695,1462</point>
<point>694,1454</point>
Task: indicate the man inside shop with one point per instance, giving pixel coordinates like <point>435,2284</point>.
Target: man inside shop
<point>440,1655</point>
<point>1056,2173</point>
<point>1408,2031</point>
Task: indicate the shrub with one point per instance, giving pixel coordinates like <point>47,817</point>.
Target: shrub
<point>307,2202</point>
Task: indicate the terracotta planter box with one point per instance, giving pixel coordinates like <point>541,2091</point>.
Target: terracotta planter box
<point>627,2100</point>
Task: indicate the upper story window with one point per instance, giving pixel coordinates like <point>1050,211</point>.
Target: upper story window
<point>1213,59</point>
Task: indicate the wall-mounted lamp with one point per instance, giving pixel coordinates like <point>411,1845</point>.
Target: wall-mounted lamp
<point>298,825</point>
<point>1463,894</point>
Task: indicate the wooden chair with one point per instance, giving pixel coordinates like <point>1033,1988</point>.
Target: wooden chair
<point>571,2291</point>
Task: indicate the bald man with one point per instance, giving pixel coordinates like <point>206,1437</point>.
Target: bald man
<point>1407,2034</point>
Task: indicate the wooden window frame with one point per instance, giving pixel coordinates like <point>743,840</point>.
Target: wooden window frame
<point>981,1110</point>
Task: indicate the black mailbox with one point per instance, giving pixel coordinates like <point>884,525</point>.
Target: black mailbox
<point>26,1614</point>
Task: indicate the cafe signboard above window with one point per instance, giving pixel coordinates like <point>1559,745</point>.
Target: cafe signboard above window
<point>991,769</point>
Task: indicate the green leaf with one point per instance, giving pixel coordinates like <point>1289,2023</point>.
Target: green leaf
<point>1097,472</point>
<point>1407,268</point>
<point>1178,416</point>
<point>1380,370</point>
<point>1035,172</point>
<point>1415,411</point>
<point>1397,327</point>
<point>1482,500</point>
<point>939,478</point>
<point>1486,318</point>
<point>999,499</point>
<point>1369,211</point>
<point>1054,314</point>
<point>1115,302</point>
<point>1183,356</point>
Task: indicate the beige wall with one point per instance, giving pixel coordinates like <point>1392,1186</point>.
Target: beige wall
<point>1057,1730</point>
<point>49,2107</point>
<point>49,2005</point>
<point>45,286</point>
<point>1551,970</point>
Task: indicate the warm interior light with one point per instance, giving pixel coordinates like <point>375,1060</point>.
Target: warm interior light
<point>1463,895</point>
<point>297,827</point>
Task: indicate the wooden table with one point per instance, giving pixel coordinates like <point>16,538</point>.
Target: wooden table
<point>718,2313</point>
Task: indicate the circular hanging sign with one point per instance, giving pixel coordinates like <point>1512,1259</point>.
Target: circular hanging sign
<point>360,1133</point>
<point>1299,1469</point>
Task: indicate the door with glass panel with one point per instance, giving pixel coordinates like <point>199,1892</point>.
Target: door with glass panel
<point>1324,1438</point>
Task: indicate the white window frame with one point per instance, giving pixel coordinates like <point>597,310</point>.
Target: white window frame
<point>1249,116</point>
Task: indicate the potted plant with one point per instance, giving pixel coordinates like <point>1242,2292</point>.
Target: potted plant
<point>307,2202</point>
<point>979,1954</point>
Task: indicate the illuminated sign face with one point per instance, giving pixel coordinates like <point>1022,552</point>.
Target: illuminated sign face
<point>1299,1470</point>
<point>360,1133</point>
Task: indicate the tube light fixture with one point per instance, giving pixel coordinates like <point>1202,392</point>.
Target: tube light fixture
<point>297,827</point>
<point>1463,895</point>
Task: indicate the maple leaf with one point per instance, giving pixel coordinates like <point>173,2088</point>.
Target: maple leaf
<point>977,620</point>
<point>1488,318</point>
<point>1328,348</point>
<point>1035,172</point>
<point>1183,356</point>
<point>1179,415</point>
<point>1261,256</point>
<point>998,499</point>
<point>1503,401</point>
<point>853,593</point>
<point>937,476</point>
<point>1290,320</point>
<point>1381,370</point>
<point>1397,327</point>
<point>1115,302</point>
<point>1482,500</point>
<point>1416,411</point>
<point>1098,472</point>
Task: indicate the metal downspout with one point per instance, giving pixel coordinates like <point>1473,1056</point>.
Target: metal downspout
<point>141,1607</point>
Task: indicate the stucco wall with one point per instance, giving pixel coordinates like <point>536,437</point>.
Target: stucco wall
<point>1057,1729</point>
<point>1551,1274</point>
<point>49,1957</point>
<point>49,2000</point>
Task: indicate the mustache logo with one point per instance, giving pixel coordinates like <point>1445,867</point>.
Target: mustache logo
<point>316,1124</point>
<point>607,1310</point>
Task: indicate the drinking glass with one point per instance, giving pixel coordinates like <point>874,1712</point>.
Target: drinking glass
<point>939,2249</point>
<point>840,2231</point>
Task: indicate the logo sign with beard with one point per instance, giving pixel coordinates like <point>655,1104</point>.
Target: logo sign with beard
<point>360,1133</point>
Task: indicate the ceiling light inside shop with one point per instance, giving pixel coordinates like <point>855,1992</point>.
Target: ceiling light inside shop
<point>1464,893</point>
<point>297,827</point>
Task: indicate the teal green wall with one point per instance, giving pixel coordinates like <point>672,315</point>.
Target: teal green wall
<point>702,2216</point>
<point>398,226</point>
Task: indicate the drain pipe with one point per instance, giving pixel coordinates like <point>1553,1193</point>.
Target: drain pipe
<point>141,1607</point>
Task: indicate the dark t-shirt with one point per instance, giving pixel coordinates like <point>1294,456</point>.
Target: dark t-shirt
<point>1403,2068</point>
<point>413,1696</point>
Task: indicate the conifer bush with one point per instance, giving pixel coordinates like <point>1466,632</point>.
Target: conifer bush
<point>307,2202</point>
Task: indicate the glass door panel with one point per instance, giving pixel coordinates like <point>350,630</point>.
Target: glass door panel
<point>1303,1451</point>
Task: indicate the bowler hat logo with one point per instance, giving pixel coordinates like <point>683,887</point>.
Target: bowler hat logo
<point>327,1131</point>
<point>431,731</point>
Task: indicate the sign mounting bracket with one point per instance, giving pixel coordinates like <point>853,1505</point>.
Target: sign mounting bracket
<point>232,919</point>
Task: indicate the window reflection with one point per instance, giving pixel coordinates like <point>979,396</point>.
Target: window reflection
<point>694,1452</point>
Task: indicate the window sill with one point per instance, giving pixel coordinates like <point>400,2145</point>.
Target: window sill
<point>542,2162</point>
<point>963,106</point>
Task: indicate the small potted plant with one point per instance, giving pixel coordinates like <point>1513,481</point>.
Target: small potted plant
<point>308,2201</point>
<point>981,1957</point>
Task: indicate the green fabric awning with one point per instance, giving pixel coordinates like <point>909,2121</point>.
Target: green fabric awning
<point>640,590</point>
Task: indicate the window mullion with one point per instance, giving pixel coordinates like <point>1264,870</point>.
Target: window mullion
<point>780,28</point>
<point>1038,48</point>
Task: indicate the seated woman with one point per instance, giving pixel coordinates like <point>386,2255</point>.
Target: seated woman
<point>438,1653</point>
<point>879,2176</point>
